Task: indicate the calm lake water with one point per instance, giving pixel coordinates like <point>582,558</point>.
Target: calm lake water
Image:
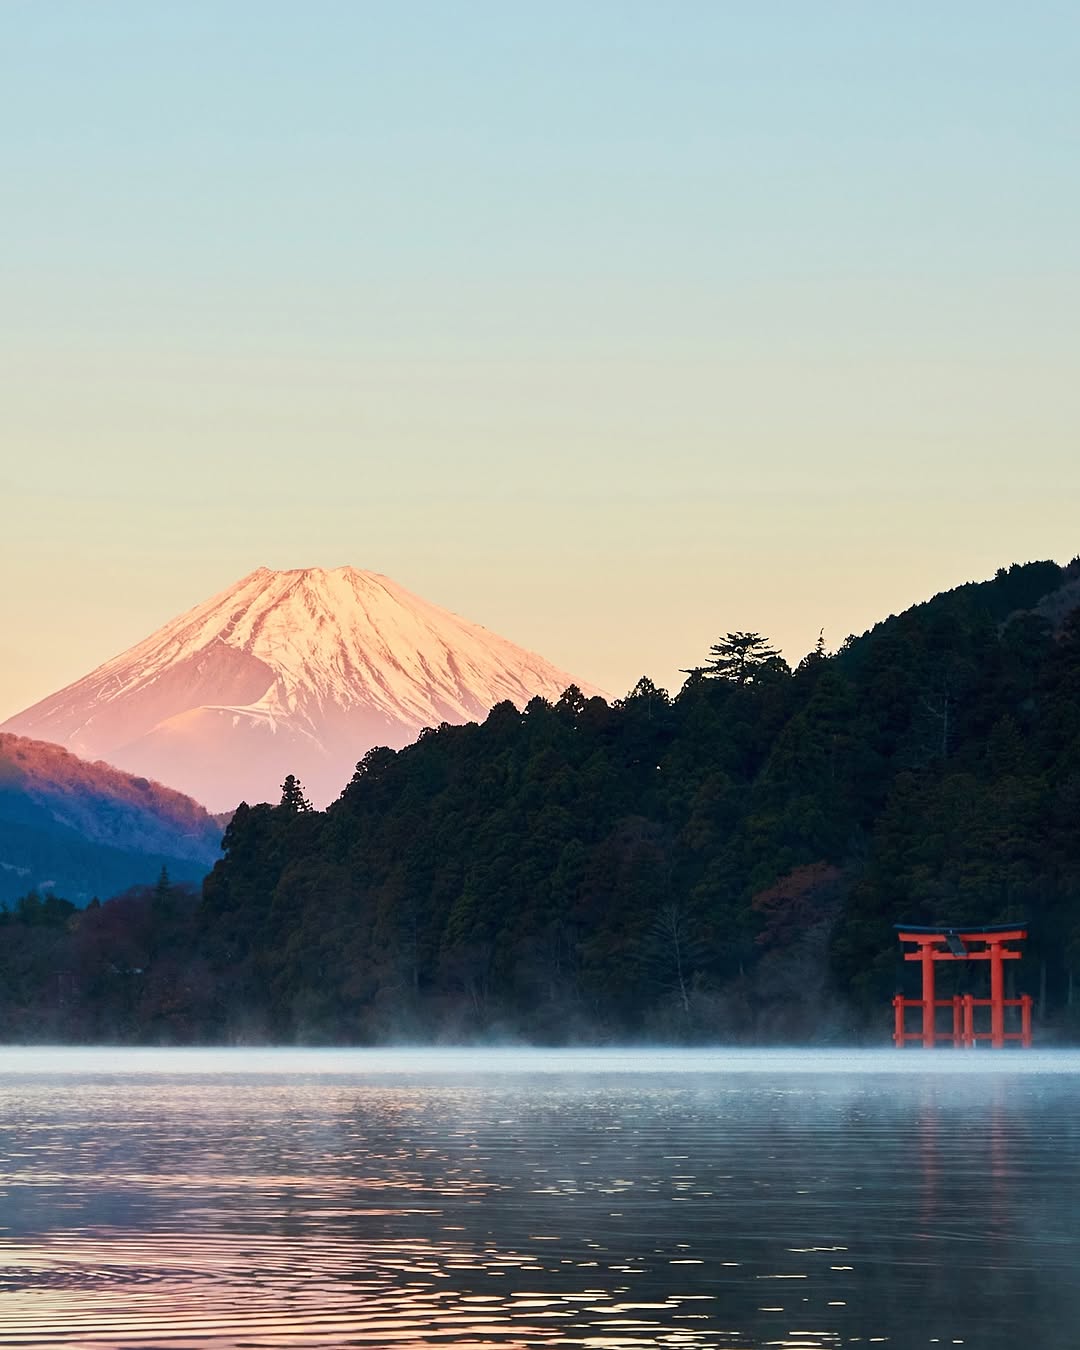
<point>518,1198</point>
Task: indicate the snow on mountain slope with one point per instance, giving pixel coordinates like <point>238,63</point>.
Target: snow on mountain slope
<point>287,672</point>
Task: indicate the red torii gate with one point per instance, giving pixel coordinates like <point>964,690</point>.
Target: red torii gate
<point>951,944</point>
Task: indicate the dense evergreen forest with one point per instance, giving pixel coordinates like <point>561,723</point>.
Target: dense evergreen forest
<point>726,864</point>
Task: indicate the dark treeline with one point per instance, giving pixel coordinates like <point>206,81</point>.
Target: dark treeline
<point>126,970</point>
<point>726,864</point>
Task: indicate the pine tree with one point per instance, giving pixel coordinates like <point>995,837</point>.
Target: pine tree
<point>814,660</point>
<point>740,658</point>
<point>292,796</point>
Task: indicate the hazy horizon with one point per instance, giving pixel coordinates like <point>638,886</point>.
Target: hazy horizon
<point>522,1057</point>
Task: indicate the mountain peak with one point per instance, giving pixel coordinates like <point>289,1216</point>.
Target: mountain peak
<point>296,671</point>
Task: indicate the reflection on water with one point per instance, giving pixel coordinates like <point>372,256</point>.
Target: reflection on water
<point>606,1209</point>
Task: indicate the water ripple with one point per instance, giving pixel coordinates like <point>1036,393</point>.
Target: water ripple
<point>215,1210</point>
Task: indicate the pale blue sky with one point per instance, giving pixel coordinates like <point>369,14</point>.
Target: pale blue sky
<point>609,325</point>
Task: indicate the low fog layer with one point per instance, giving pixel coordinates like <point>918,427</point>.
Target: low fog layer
<point>515,1059</point>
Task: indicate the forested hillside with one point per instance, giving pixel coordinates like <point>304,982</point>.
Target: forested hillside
<point>724,864</point>
<point>83,829</point>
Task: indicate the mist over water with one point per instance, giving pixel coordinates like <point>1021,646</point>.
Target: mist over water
<point>512,1197</point>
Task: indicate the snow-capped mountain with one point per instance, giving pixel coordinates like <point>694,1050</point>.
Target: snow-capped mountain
<point>287,672</point>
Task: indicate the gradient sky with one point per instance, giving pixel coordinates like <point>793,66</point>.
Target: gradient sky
<point>611,326</point>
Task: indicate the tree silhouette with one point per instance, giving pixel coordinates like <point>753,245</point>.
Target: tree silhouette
<point>740,658</point>
<point>292,796</point>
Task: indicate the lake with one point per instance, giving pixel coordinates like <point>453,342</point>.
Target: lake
<point>512,1197</point>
